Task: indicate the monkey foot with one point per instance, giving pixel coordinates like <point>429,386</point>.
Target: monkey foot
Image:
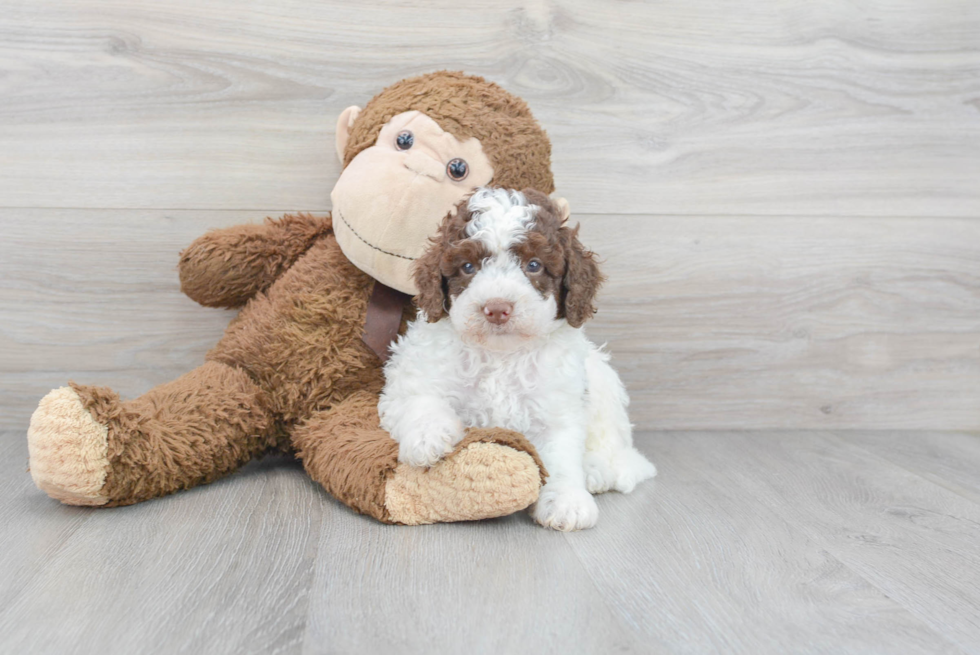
<point>491,473</point>
<point>68,450</point>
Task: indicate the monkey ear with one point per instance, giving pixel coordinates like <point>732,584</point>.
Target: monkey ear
<point>581,281</point>
<point>427,272</point>
<point>564,210</point>
<point>344,123</point>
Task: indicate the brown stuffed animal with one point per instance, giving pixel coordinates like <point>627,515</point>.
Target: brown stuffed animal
<point>292,372</point>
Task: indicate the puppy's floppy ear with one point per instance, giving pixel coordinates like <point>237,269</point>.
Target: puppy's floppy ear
<point>431,297</point>
<point>427,271</point>
<point>581,281</point>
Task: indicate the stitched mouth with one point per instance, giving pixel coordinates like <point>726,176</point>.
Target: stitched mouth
<point>368,243</point>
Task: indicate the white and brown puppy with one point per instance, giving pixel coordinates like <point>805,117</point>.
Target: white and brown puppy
<point>504,289</point>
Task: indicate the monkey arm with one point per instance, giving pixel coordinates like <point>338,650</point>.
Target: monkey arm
<point>224,268</point>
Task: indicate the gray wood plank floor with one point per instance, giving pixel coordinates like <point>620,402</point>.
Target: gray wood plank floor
<point>747,542</point>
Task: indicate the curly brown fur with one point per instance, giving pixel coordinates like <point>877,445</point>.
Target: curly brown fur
<point>571,273</point>
<point>582,279</point>
<point>545,244</point>
<point>453,259</point>
<point>580,276</point>
<point>440,260</point>
<point>466,106</point>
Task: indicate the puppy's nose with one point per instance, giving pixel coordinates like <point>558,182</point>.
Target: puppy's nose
<point>498,310</point>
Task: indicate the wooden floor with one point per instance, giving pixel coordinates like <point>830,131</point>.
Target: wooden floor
<point>747,542</point>
<point>786,197</point>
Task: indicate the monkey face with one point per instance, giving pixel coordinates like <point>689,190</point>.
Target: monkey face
<point>394,195</point>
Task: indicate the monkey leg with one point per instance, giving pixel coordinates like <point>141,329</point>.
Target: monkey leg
<point>492,472</point>
<point>89,448</point>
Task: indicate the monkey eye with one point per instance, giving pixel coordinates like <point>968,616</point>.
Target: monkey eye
<point>457,169</point>
<point>468,268</point>
<point>404,140</point>
<point>534,266</point>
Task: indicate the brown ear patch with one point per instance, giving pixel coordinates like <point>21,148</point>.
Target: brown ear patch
<point>453,259</point>
<point>437,272</point>
<point>548,281</point>
<point>571,272</point>
<point>582,279</point>
<point>431,297</point>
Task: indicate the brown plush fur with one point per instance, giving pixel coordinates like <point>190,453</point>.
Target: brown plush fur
<point>466,106</point>
<point>226,268</point>
<point>191,431</point>
<point>291,372</point>
<point>291,353</point>
<point>345,450</point>
<point>570,273</point>
<point>301,339</point>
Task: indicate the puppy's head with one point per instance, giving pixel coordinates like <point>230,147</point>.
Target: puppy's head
<point>506,270</point>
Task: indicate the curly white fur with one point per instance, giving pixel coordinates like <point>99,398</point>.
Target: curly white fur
<point>535,375</point>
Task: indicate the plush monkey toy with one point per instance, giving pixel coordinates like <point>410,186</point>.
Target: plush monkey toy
<point>294,371</point>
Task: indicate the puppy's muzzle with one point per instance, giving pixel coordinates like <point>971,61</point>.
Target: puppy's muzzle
<point>498,311</point>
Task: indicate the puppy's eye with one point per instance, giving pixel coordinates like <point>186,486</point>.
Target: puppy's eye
<point>534,266</point>
<point>457,169</point>
<point>404,140</point>
<point>468,268</point>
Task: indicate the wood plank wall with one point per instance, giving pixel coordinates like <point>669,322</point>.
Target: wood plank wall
<point>786,194</point>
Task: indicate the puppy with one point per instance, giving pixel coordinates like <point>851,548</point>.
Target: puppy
<point>504,289</point>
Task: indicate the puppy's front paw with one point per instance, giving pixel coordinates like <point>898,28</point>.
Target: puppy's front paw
<point>566,509</point>
<point>430,440</point>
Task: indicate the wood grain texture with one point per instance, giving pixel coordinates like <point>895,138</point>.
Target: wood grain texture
<point>710,569</point>
<point>917,542</point>
<point>713,322</point>
<point>748,322</point>
<point>950,459</point>
<point>746,542</point>
<point>94,296</point>
<point>830,108</point>
<point>220,569</point>
<point>502,586</point>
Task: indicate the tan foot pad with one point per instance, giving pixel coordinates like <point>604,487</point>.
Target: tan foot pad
<point>483,480</point>
<point>68,450</point>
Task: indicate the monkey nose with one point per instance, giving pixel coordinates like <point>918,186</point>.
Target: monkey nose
<point>498,311</point>
<point>422,164</point>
